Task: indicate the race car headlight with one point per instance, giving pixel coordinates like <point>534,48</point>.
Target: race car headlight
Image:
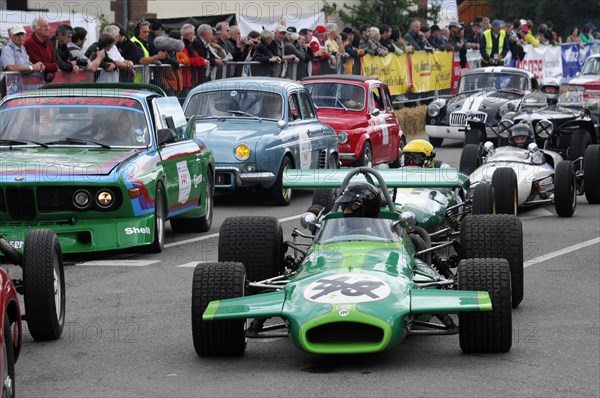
<point>242,152</point>
<point>504,128</point>
<point>433,110</point>
<point>81,199</point>
<point>543,128</point>
<point>105,198</point>
<point>342,137</point>
<point>503,110</point>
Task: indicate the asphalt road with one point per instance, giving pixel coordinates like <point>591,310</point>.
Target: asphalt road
<point>128,328</point>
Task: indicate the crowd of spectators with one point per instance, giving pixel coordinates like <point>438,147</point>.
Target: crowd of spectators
<point>207,50</point>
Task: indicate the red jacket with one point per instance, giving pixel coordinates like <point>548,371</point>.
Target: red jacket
<point>41,52</point>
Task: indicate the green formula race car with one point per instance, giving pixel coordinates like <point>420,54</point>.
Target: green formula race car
<point>356,290</point>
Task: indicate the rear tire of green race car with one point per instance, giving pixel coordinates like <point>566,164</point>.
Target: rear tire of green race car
<point>44,285</point>
<point>199,224</point>
<point>486,331</point>
<point>496,236</point>
<point>256,242</point>
<point>217,281</point>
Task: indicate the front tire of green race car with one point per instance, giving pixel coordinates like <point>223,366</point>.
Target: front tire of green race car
<point>44,285</point>
<point>486,331</point>
<point>217,281</point>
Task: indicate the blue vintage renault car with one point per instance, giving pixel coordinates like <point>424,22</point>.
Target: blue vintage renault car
<point>258,128</point>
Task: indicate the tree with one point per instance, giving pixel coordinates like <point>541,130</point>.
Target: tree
<point>564,14</point>
<point>396,13</point>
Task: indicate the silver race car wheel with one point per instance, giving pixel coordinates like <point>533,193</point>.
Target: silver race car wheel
<point>504,182</point>
<point>591,174</point>
<point>565,188</point>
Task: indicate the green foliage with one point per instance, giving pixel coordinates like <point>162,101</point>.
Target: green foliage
<point>564,14</point>
<point>3,41</point>
<point>396,13</point>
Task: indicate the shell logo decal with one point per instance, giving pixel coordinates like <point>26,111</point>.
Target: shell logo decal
<point>347,288</point>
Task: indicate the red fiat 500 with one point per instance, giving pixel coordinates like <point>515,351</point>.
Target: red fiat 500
<point>360,110</point>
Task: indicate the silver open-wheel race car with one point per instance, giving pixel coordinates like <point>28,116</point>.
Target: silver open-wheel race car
<point>518,177</point>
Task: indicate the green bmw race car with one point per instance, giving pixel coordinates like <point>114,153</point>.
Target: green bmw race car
<point>347,289</point>
<point>103,166</point>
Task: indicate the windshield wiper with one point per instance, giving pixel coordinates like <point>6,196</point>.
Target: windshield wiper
<point>242,113</point>
<point>22,142</point>
<point>70,140</point>
<point>341,103</point>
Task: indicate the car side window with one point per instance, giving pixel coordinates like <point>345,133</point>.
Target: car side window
<point>294,108</point>
<point>388,101</point>
<point>377,101</point>
<point>307,107</point>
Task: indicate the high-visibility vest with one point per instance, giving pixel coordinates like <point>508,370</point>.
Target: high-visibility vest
<point>138,76</point>
<point>488,41</point>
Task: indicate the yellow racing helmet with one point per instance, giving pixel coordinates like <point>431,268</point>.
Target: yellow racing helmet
<point>418,153</point>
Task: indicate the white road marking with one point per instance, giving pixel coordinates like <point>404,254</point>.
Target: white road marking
<point>537,213</point>
<point>188,265</point>
<point>205,237</point>
<point>560,252</point>
<point>117,263</point>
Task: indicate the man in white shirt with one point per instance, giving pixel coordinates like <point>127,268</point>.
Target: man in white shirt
<point>115,55</point>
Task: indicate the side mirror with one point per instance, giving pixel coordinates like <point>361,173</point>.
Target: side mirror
<point>376,112</point>
<point>165,136</point>
<point>488,147</point>
<point>408,219</point>
<point>511,106</point>
<point>281,124</point>
<point>533,148</point>
<point>309,221</point>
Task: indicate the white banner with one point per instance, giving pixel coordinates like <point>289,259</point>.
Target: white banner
<point>542,61</point>
<point>306,20</point>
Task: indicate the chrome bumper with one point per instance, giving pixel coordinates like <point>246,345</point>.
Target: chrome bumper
<point>232,178</point>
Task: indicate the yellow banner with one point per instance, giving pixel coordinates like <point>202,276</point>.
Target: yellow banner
<point>391,69</point>
<point>431,71</point>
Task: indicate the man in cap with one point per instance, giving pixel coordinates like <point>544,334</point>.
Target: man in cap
<point>494,45</point>
<point>14,56</point>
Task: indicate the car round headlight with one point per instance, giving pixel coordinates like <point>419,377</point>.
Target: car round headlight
<point>503,110</point>
<point>433,110</point>
<point>504,128</point>
<point>242,152</point>
<point>342,137</point>
<point>543,128</point>
<point>105,198</point>
<point>81,199</point>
